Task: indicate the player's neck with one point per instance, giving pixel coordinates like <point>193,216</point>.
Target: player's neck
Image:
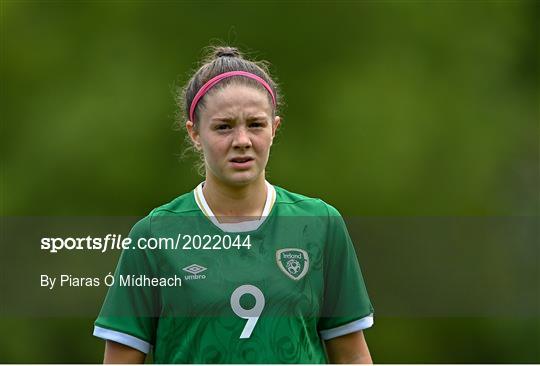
<point>233,204</point>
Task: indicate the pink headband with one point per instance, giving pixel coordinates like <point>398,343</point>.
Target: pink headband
<point>216,79</point>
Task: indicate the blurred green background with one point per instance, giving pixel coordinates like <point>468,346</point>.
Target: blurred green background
<point>392,109</point>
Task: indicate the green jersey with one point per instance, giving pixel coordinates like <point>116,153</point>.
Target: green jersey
<point>192,289</point>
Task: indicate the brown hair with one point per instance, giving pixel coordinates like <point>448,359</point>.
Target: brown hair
<point>218,61</point>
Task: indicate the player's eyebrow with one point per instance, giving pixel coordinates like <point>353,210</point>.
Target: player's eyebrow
<point>251,117</point>
<point>256,116</point>
<point>222,119</point>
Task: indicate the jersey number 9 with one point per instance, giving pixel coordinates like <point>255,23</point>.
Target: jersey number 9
<point>251,315</point>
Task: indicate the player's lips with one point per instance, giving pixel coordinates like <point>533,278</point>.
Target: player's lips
<point>242,162</point>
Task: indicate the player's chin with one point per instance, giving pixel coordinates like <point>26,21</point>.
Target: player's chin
<point>243,177</point>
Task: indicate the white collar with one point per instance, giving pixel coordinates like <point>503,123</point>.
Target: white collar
<point>242,226</point>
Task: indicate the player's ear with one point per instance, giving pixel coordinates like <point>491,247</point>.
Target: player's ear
<point>275,125</point>
<point>193,134</point>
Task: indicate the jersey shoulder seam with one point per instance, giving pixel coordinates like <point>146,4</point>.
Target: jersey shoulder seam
<point>163,208</point>
<point>292,200</point>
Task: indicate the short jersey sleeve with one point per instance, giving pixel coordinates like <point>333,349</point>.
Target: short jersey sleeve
<point>128,314</point>
<point>346,305</point>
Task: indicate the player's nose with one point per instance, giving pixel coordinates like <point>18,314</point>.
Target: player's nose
<point>241,138</point>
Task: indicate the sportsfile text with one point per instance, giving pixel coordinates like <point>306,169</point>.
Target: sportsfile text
<point>110,241</point>
<point>118,242</point>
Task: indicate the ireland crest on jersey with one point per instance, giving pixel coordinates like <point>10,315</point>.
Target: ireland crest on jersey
<point>293,262</point>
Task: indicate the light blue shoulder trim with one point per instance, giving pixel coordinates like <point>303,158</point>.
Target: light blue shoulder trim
<point>123,338</point>
<point>351,327</point>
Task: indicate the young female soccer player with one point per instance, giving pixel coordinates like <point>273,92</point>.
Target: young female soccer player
<point>267,276</point>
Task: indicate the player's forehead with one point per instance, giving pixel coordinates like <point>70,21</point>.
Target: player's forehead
<point>235,99</point>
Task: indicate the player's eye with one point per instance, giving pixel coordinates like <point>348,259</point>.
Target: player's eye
<point>256,124</point>
<point>222,126</point>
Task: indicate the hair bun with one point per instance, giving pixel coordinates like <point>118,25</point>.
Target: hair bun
<point>226,52</point>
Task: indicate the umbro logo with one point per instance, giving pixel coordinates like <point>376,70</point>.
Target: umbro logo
<point>194,269</point>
